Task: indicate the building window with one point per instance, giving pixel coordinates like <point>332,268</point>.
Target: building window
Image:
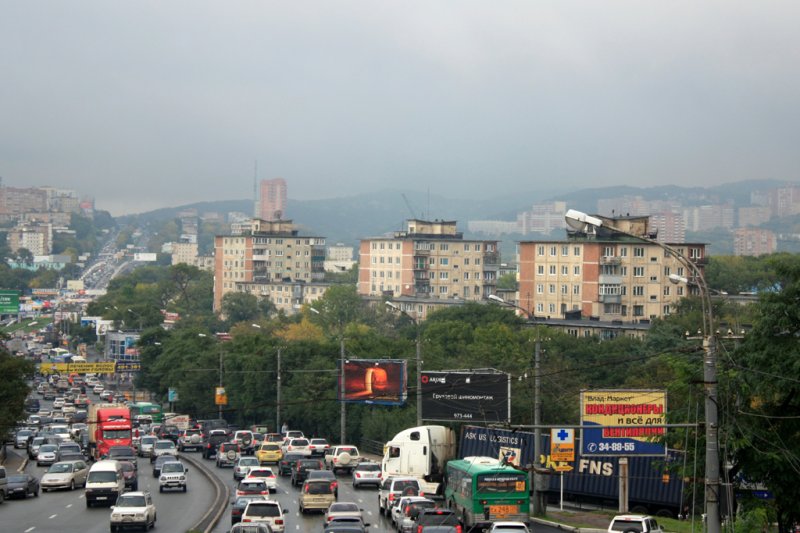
<point>444,261</point>
<point>638,290</point>
<point>576,270</point>
<point>565,250</point>
<point>564,289</point>
<point>540,308</point>
<point>576,289</point>
<point>552,308</point>
<point>477,261</point>
<point>552,270</point>
<point>443,275</point>
<point>552,288</point>
<point>466,247</point>
<point>623,271</point>
<point>553,251</point>
<point>576,251</point>
<point>466,276</point>
<point>680,290</point>
<point>638,251</point>
<point>654,278</point>
<point>540,250</point>
<point>638,272</point>
<point>666,271</point>
<point>444,247</point>
<point>565,270</point>
<point>540,288</point>
<point>665,310</point>
<point>608,251</point>
<point>638,310</point>
<point>666,291</point>
<point>443,289</point>
<point>540,270</point>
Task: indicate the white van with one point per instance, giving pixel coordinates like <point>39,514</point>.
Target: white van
<point>104,483</point>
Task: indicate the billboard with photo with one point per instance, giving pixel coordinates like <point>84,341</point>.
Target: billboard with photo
<point>477,397</point>
<point>628,422</point>
<point>375,381</point>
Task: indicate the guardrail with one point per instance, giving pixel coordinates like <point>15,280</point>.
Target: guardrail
<point>221,496</point>
<point>374,447</point>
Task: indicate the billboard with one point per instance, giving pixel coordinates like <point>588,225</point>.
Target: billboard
<point>477,396</point>
<point>79,368</point>
<point>638,412</point>
<point>9,302</point>
<point>375,381</point>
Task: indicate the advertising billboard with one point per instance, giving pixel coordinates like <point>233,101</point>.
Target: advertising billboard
<point>629,422</point>
<point>477,396</point>
<point>376,381</point>
<point>9,302</point>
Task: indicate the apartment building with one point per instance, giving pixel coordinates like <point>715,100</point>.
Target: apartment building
<point>608,276</point>
<point>429,260</point>
<point>265,252</point>
<point>35,237</point>
<point>184,253</point>
<point>754,242</point>
<point>289,296</point>
<point>272,199</point>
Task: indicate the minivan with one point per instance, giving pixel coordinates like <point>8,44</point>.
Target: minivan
<point>105,482</point>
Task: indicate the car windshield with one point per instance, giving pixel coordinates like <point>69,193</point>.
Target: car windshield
<point>172,467</point>
<point>261,473</point>
<point>17,479</point>
<point>44,448</point>
<point>164,445</point>
<point>299,442</point>
<point>343,507</point>
<point>270,447</point>
<point>60,468</point>
<point>318,488</point>
<point>102,476</point>
<point>627,525</point>
<point>248,461</point>
<point>402,486</point>
<point>263,509</point>
<point>130,500</point>
<point>148,440</point>
<point>369,467</point>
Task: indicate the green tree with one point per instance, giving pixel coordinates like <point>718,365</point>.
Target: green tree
<point>507,282</point>
<point>240,307</point>
<point>15,372</point>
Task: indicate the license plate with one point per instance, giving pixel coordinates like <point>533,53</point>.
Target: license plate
<point>503,510</point>
<point>101,498</point>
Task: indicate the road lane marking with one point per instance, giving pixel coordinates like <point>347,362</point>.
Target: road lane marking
<point>30,529</point>
<point>53,516</point>
<point>68,506</point>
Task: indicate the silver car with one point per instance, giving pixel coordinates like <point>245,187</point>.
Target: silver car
<point>65,475</point>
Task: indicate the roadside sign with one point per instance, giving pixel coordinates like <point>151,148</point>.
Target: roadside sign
<point>79,368</point>
<point>128,366</point>
<point>220,397</point>
<point>562,444</point>
<point>563,468</point>
<point>172,395</point>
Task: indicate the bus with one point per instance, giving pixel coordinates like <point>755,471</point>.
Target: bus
<point>153,410</point>
<point>482,490</point>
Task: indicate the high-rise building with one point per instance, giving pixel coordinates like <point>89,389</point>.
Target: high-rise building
<point>430,260</point>
<point>608,276</point>
<point>265,252</point>
<point>754,242</point>
<point>272,199</point>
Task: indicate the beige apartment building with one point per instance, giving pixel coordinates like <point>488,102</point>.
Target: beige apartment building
<point>265,252</point>
<point>607,276</point>
<point>430,260</point>
<point>184,253</point>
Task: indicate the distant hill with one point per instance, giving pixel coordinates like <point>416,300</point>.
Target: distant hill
<point>351,218</point>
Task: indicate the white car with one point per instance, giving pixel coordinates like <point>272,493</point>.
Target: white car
<point>296,445</point>
<point>163,447</point>
<point>344,510</point>
<point>98,389</point>
<point>172,476</point>
<point>243,466</point>
<point>47,454</point>
<point>133,509</point>
<point>509,527</point>
<point>634,522</point>
<point>265,474</point>
<point>398,509</point>
<point>58,403</point>
<point>266,511</point>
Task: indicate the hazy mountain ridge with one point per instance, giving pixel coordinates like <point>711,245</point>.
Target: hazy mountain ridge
<point>348,219</point>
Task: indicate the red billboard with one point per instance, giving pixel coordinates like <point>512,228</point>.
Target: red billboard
<point>375,381</point>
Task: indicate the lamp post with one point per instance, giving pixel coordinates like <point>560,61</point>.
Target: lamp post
<point>219,405</point>
<point>342,408</point>
<point>418,348</point>
<point>539,507</point>
<point>589,224</point>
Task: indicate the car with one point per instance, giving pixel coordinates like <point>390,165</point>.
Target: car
<point>302,467</point>
<point>293,434</point>
<point>316,495</point>
<point>318,446</point>
<point>77,428</point>
<point>172,476</point>
<point>65,475</point>
<point>509,527</point>
<point>46,455</point>
<point>634,523</point>
<point>243,465</point>
<point>130,473</point>
<point>212,441</point>
<point>339,510</point>
<point>133,509</point>
<point>326,475</point>
<point>244,438</point>
<point>286,464</point>
<point>105,395</point>
<point>58,403</point>
<point>342,457</point>
<point>22,437</point>
<point>392,488</point>
<point>49,395</point>
<point>265,474</point>
<point>367,474</point>
<point>190,439</point>
<point>407,519</point>
<point>251,486</point>
<point>398,510</point>
<point>22,486</point>
<point>122,453</point>
<point>33,447</point>
<point>345,525</point>
<point>146,444</point>
<point>269,452</point>
<point>68,448</point>
<point>238,505</point>
<point>163,447</point>
<point>169,432</point>
<point>265,511</point>
<point>273,437</point>
<point>99,388</point>
<point>296,445</point>
<point>228,454</point>
<point>431,520</point>
<point>159,463</point>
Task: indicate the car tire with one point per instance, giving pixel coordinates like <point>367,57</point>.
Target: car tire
<point>72,485</point>
<point>160,489</point>
<point>184,488</point>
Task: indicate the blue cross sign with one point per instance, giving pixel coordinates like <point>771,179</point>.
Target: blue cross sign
<point>565,436</point>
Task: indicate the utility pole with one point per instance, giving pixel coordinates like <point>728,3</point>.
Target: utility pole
<point>220,379</point>
<point>343,412</point>
<point>278,405</point>
<point>539,507</point>
<point>418,349</point>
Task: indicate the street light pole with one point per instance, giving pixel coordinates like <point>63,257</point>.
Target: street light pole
<point>583,222</point>
<point>342,406</point>
<point>418,354</point>
<point>539,507</point>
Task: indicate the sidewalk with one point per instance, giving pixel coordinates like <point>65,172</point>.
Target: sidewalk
<point>14,460</point>
<point>577,521</point>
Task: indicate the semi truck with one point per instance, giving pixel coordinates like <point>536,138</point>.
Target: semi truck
<point>109,425</point>
<point>421,452</point>
<point>654,487</point>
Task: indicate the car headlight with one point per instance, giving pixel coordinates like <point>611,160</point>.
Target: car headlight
<point>162,478</point>
<point>140,516</point>
<point>183,478</point>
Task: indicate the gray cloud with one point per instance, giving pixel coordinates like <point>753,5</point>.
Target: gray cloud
<point>146,104</point>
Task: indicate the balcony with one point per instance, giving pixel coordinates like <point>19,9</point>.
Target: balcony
<point>608,279</point>
<point>610,260</point>
<point>609,298</point>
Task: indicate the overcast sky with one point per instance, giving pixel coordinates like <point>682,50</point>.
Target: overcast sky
<point>146,104</point>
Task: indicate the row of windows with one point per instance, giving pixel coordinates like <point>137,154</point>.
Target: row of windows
<point>431,246</point>
<point>551,288</point>
<point>431,261</point>
<point>611,251</point>
<point>540,250</point>
<point>552,270</point>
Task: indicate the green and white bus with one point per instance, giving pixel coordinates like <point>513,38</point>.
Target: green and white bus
<point>481,490</point>
<point>153,410</point>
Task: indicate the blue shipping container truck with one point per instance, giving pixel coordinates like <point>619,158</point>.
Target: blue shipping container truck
<point>592,479</point>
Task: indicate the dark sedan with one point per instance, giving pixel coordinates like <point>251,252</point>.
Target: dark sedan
<point>22,486</point>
